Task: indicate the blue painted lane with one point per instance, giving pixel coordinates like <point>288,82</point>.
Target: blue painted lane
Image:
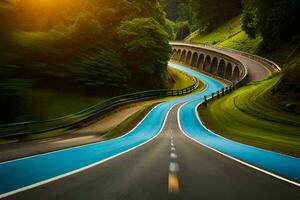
<point>21,173</point>
<point>280,164</point>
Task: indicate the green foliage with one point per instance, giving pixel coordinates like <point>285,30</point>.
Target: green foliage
<point>249,20</point>
<point>177,10</point>
<point>208,14</point>
<point>249,116</point>
<point>103,68</point>
<point>229,35</point>
<point>276,21</point>
<point>85,46</point>
<point>182,30</point>
<point>147,49</point>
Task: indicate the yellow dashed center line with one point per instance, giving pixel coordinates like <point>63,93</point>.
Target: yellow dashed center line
<point>173,183</point>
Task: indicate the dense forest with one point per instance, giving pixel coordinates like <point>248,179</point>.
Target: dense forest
<point>98,47</point>
<point>110,47</point>
<point>89,44</point>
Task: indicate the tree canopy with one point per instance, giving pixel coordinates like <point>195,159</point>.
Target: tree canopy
<point>86,43</point>
<point>210,13</point>
<point>276,21</point>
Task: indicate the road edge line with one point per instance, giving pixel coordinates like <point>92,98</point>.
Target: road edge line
<point>230,157</point>
<point>83,145</point>
<point>89,166</point>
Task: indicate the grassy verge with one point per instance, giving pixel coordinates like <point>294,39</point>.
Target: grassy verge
<point>229,35</point>
<point>181,79</point>
<point>130,122</point>
<point>248,116</point>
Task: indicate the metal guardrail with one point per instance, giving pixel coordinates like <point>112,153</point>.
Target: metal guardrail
<point>77,119</point>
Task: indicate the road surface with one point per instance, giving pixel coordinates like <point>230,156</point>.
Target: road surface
<point>155,166</point>
<point>144,174</point>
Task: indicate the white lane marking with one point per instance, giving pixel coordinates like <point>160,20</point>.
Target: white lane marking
<point>89,166</point>
<point>228,156</point>
<point>85,144</point>
<point>173,156</point>
<point>174,167</point>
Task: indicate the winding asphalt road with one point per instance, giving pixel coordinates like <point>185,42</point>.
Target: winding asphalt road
<point>144,174</point>
<point>166,165</point>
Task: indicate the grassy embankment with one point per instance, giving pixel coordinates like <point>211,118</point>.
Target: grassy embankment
<point>249,117</point>
<point>258,114</point>
<point>229,35</point>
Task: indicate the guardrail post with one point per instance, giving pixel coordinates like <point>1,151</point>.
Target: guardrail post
<point>205,101</point>
<point>223,92</point>
<point>218,94</point>
<point>212,96</point>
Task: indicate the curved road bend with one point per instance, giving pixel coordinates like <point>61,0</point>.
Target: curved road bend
<point>182,167</point>
<point>256,71</point>
<point>169,167</point>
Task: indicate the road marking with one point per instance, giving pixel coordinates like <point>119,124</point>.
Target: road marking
<point>173,184</point>
<point>173,156</point>
<point>228,156</point>
<point>86,167</point>
<point>174,167</point>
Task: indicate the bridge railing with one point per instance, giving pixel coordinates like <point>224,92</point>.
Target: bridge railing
<point>274,67</point>
<point>230,88</point>
<point>88,114</point>
<point>244,70</point>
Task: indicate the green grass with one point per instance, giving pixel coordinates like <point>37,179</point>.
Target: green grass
<point>130,122</point>
<point>229,35</point>
<point>249,117</point>
<point>182,80</point>
<point>39,104</point>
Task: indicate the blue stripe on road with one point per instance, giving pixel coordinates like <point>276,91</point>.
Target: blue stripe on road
<point>31,170</point>
<point>21,173</point>
<point>280,164</point>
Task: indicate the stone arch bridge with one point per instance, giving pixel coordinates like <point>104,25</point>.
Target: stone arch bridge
<point>209,61</point>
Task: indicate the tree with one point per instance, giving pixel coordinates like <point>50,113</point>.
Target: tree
<point>146,49</point>
<point>177,10</point>
<point>276,20</point>
<point>208,14</point>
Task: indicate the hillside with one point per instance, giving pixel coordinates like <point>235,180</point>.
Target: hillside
<point>229,35</point>
<point>264,114</point>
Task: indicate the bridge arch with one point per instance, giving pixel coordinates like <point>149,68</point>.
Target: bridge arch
<point>228,73</point>
<point>207,62</point>
<point>200,61</point>
<point>221,68</point>
<point>188,58</point>
<point>183,56</point>
<point>178,54</point>
<point>236,74</point>
<point>214,65</point>
<point>174,54</point>
<point>194,59</point>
